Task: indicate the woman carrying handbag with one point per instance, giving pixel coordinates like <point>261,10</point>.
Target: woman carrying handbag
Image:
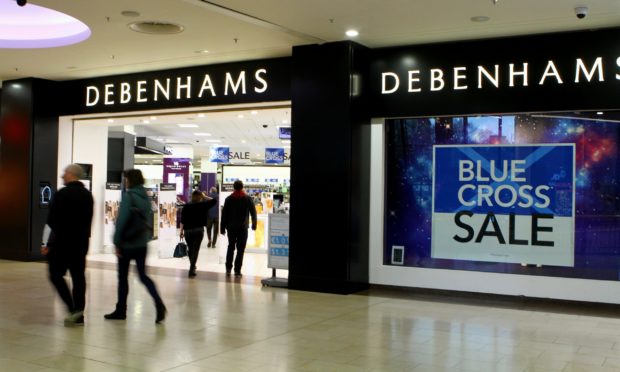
<point>193,223</point>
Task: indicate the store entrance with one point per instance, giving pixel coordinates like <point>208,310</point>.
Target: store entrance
<point>179,153</point>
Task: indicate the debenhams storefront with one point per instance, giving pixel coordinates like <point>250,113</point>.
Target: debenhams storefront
<point>483,166</point>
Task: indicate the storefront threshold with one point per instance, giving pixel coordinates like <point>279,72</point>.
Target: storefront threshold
<point>495,300</point>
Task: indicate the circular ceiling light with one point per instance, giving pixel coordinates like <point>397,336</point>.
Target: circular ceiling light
<point>33,26</point>
<point>352,33</point>
<point>156,28</point>
<point>479,19</point>
<point>130,13</point>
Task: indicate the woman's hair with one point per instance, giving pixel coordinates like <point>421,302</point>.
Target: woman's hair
<point>197,196</point>
<point>134,177</point>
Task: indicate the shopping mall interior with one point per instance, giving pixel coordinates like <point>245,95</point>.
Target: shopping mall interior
<point>451,204</point>
<point>183,149</point>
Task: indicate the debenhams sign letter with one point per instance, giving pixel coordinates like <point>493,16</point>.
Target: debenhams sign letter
<point>177,88</point>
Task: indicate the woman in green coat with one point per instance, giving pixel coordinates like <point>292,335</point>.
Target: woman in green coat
<point>132,234</point>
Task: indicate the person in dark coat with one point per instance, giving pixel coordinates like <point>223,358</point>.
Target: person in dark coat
<point>131,236</point>
<point>193,222</point>
<point>213,219</point>
<point>70,220</point>
<point>236,213</point>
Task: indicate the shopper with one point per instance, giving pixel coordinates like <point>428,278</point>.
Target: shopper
<point>235,220</point>
<point>69,220</point>
<point>213,219</point>
<point>130,238</point>
<point>193,222</point>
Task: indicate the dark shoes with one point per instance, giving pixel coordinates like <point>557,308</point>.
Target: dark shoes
<point>208,244</point>
<point>238,273</point>
<point>161,313</point>
<point>116,315</point>
<point>75,319</point>
<point>191,273</point>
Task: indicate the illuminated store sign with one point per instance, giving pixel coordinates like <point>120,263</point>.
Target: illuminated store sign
<point>494,76</point>
<point>504,203</point>
<point>181,88</point>
<point>222,84</point>
<point>551,72</point>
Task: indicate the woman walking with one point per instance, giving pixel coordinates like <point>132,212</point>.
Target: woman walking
<point>130,238</point>
<point>193,222</point>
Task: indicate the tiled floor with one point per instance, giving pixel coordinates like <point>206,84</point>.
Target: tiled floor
<point>216,324</point>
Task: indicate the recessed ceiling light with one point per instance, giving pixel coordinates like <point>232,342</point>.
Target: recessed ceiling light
<point>33,26</point>
<point>130,13</point>
<point>156,28</point>
<point>201,115</point>
<point>254,112</point>
<point>202,134</point>
<point>110,120</point>
<point>187,125</point>
<point>599,113</point>
<point>240,116</point>
<point>284,121</point>
<point>479,19</point>
<point>352,33</point>
<point>146,121</point>
<point>153,117</point>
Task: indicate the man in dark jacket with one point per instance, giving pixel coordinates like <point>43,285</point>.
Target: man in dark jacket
<point>70,219</point>
<point>235,219</point>
<point>213,219</point>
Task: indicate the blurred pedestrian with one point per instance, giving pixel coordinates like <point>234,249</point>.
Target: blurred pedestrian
<point>66,246</point>
<point>130,238</point>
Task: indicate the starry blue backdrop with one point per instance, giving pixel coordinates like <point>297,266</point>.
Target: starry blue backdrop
<point>409,156</point>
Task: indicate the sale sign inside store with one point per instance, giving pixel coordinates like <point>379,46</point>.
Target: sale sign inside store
<point>504,203</point>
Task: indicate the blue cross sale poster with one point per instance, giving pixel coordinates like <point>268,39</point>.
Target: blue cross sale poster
<point>504,203</point>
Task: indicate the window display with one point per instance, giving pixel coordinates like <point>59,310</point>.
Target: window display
<point>530,194</point>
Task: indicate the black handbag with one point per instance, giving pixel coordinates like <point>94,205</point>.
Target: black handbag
<point>180,250</point>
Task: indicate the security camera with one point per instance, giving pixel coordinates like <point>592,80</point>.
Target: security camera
<point>581,12</point>
<point>22,2</point>
<point>265,125</point>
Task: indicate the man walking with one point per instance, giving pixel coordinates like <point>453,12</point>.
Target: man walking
<point>213,219</point>
<point>235,220</point>
<point>70,219</point>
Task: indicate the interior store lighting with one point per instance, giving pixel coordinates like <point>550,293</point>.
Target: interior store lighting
<point>33,26</point>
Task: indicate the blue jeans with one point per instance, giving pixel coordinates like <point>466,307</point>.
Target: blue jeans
<point>123,273</point>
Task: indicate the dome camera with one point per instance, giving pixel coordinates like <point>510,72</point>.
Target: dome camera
<point>265,125</point>
<point>21,2</point>
<point>581,12</point>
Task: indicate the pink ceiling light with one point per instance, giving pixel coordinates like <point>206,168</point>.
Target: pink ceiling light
<point>33,26</point>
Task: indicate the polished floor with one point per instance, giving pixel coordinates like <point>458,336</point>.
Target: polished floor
<point>219,324</point>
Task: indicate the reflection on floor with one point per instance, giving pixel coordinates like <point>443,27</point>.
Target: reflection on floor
<point>216,324</point>
<point>209,260</point>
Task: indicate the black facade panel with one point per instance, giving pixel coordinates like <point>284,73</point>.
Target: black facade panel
<point>325,241</point>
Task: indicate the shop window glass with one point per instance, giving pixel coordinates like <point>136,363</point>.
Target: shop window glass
<point>410,146</point>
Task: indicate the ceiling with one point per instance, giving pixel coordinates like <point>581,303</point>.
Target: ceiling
<point>234,30</point>
<point>257,127</point>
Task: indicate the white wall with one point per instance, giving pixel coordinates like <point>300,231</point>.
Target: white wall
<point>90,146</point>
<point>153,174</point>
<point>471,281</point>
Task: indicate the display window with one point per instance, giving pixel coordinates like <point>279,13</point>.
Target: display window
<point>534,194</point>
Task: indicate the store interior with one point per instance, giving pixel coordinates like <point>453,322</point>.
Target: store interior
<point>179,152</point>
